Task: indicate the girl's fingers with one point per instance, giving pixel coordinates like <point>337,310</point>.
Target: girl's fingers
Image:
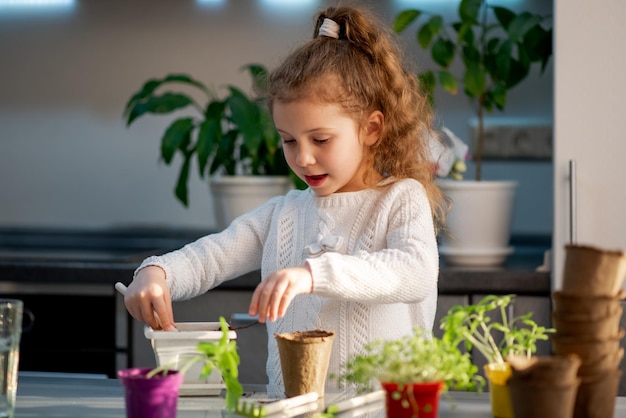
<point>265,299</point>
<point>254,302</point>
<point>285,300</point>
<point>147,314</point>
<point>162,312</point>
<point>276,299</point>
<point>272,296</point>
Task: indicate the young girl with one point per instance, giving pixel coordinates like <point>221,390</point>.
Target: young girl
<point>355,253</point>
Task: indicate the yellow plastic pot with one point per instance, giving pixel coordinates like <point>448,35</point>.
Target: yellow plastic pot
<point>499,393</point>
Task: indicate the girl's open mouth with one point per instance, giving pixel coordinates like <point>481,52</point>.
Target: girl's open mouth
<point>315,181</point>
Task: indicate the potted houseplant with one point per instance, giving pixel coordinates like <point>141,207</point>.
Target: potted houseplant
<point>478,326</point>
<point>493,49</point>
<point>413,370</point>
<point>232,138</point>
<point>163,383</point>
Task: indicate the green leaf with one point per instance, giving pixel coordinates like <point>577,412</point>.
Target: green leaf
<point>271,138</point>
<point>488,101</point>
<point>448,82</point>
<point>465,33</point>
<point>504,16</point>
<point>424,35</point>
<point>499,95</point>
<point>474,81</point>
<point>165,103</point>
<point>208,138</point>
<point>404,19</point>
<point>469,10</point>
<point>259,76</point>
<point>147,89</point>
<point>519,71</point>
<point>546,48</point>
<point>245,115</point>
<point>224,155</point>
<point>493,45</point>
<point>177,136</point>
<point>435,23</point>
<point>215,110</point>
<point>181,191</point>
<point>522,56</point>
<point>503,60</point>
<point>538,44</point>
<point>470,55</point>
<point>443,52</point>
<point>151,85</point>
<point>184,79</point>
<point>521,25</point>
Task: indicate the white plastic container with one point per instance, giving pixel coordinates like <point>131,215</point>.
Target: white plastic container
<point>175,348</point>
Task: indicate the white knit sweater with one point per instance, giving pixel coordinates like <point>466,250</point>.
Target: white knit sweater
<point>373,255</point>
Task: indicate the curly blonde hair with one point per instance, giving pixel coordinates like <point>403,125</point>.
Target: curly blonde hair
<point>363,71</point>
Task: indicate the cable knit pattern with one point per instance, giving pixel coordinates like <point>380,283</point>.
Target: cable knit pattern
<point>373,255</point>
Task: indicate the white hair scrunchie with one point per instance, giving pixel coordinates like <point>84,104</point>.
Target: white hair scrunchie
<point>329,28</point>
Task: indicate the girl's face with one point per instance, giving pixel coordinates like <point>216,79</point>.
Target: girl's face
<point>324,147</point>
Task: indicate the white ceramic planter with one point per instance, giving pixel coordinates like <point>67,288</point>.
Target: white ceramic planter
<point>235,195</point>
<point>478,226</point>
<point>176,348</point>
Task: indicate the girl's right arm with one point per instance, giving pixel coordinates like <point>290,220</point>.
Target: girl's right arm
<point>148,298</point>
<point>198,267</point>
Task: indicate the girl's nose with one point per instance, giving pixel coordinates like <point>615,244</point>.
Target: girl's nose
<point>305,156</point>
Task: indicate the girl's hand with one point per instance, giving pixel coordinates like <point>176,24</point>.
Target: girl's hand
<point>148,298</point>
<point>273,295</point>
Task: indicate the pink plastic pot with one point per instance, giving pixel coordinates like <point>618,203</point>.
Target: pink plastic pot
<point>155,397</point>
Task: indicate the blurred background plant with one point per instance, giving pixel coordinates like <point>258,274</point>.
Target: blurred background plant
<point>492,47</point>
<point>233,135</point>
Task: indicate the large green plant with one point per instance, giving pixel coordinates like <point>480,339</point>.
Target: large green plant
<point>492,47</point>
<point>230,135</point>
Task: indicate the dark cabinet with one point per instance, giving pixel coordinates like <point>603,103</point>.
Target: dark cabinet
<point>70,333</point>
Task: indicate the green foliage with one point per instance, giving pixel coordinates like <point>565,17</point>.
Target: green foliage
<point>232,135</point>
<point>418,357</point>
<point>223,356</point>
<point>475,326</point>
<point>220,356</point>
<point>494,48</point>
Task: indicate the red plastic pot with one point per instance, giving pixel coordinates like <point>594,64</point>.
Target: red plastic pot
<point>412,399</point>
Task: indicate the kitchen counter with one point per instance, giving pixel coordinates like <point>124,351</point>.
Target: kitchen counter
<point>70,274</point>
<point>103,257</point>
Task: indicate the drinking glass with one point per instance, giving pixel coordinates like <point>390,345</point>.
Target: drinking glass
<point>10,333</point>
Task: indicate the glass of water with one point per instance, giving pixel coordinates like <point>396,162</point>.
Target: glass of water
<point>10,332</point>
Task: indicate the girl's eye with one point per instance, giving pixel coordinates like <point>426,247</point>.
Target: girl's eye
<point>321,141</point>
<point>289,141</point>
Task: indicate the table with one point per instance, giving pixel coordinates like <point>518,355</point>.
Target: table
<point>65,396</point>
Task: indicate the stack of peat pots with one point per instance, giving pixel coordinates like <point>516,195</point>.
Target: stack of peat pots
<point>586,315</point>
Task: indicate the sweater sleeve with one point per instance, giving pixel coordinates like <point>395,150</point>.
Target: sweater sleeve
<point>406,271</point>
<point>213,259</point>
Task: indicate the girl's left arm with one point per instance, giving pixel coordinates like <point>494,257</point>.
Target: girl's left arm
<point>406,271</point>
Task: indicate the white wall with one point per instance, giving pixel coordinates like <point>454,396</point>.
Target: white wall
<point>66,158</point>
<point>589,123</point>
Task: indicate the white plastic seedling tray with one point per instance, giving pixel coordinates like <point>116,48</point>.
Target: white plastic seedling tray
<point>175,348</point>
